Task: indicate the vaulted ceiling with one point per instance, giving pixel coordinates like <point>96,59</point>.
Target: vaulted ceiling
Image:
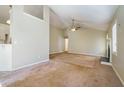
<point>91,16</point>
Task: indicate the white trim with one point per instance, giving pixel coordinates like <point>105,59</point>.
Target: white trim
<point>25,66</point>
<point>10,80</point>
<point>106,63</point>
<point>118,75</point>
<point>57,52</point>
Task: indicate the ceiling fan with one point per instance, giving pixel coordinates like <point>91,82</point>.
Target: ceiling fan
<point>74,26</point>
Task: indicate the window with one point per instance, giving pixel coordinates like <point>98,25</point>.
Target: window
<point>114,38</point>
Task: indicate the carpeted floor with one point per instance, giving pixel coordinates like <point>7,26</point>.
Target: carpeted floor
<point>76,59</point>
<point>61,73</point>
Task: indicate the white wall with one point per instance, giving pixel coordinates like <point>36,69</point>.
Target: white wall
<point>118,60</point>
<point>30,37</point>
<point>56,40</point>
<point>87,41</point>
<point>5,57</point>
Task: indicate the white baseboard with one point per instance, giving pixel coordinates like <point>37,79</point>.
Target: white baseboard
<point>25,66</point>
<point>18,77</point>
<point>106,63</point>
<point>57,52</point>
<point>118,75</point>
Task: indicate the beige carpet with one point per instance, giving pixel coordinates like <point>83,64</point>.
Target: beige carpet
<point>76,59</point>
<point>64,74</point>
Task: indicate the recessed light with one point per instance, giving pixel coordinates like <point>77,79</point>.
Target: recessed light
<point>8,22</point>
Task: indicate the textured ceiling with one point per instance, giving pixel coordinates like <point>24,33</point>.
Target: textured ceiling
<point>91,16</point>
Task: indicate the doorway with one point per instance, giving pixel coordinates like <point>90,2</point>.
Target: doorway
<point>109,50</point>
<point>66,44</point>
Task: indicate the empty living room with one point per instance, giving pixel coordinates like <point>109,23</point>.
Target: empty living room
<point>61,45</point>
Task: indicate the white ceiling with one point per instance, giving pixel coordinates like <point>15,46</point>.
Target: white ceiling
<point>56,21</point>
<point>92,16</point>
<point>4,13</point>
<point>34,10</point>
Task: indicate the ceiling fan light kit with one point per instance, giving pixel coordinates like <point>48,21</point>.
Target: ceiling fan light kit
<point>73,29</point>
<point>73,26</point>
